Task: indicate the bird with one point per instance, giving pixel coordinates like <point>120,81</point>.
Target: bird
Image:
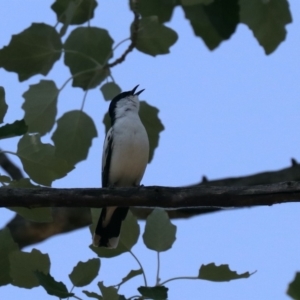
<point>124,160</point>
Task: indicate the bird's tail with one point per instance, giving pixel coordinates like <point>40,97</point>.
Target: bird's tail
<point>109,226</point>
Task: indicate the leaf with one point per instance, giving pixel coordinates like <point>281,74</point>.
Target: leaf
<point>40,106</point>
<point>7,246</point>
<point>73,136</point>
<point>267,20</point>
<point>3,105</point>
<point>51,286</point>
<point>294,287</point>
<point>85,272</point>
<point>215,22</point>
<point>23,183</point>
<point>5,179</point>
<point>155,38</point>
<point>39,160</point>
<point>131,274</point>
<point>108,293</point>
<point>33,51</point>
<point>87,51</point>
<point>151,121</point>
<point>67,15</point>
<point>212,272</point>
<point>153,125</point>
<point>110,90</point>
<point>163,9</point>
<point>156,292</point>
<point>160,233</point>
<point>129,235</point>
<point>92,295</point>
<point>12,130</point>
<point>23,265</point>
<point>84,10</point>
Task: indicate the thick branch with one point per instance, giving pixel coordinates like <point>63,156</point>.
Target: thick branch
<point>170,198</point>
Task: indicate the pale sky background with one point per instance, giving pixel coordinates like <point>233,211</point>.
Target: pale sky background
<point>230,112</point>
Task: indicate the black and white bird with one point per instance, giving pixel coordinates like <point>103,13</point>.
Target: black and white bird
<point>124,160</point>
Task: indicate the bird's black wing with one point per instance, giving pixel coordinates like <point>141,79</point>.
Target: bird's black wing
<point>106,157</point>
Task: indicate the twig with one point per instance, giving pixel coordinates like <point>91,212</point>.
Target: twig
<point>133,38</point>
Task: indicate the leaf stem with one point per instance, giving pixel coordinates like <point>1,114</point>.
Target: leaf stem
<point>158,268</point>
<point>9,152</point>
<point>177,278</point>
<point>83,100</point>
<point>74,296</point>
<point>144,275</point>
<point>71,291</point>
<point>120,43</point>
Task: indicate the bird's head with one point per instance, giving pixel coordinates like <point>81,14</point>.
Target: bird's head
<point>126,102</point>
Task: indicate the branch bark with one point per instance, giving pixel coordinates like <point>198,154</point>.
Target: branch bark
<point>166,197</point>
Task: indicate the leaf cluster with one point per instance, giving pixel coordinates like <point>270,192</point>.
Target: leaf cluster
<point>32,269</point>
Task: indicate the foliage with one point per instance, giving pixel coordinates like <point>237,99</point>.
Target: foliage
<point>32,269</point>
<point>88,53</point>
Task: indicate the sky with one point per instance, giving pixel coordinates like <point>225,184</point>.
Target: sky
<point>230,112</point>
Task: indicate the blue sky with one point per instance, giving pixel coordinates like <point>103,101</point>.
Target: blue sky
<point>230,112</point>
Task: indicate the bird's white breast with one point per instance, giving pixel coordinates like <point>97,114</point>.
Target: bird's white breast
<point>130,152</point>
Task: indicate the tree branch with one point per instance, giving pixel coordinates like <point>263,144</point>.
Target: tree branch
<point>133,38</point>
<point>66,219</point>
<point>166,197</point>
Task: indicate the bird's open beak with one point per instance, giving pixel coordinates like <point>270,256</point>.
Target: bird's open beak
<point>136,93</point>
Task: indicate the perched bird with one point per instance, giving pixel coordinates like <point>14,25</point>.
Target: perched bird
<point>124,160</point>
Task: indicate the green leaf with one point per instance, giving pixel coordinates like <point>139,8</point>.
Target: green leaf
<point>7,246</point>
<point>87,51</point>
<point>212,272</point>
<point>108,293</point>
<point>33,51</point>
<point>153,125</point>
<point>5,179</point>
<point>23,265</point>
<point>23,183</point>
<point>294,287</point>
<point>83,10</point>
<point>40,106</point>
<point>129,235</point>
<point>85,272</point>
<point>51,286</point>
<point>131,274</point>
<point>39,160</point>
<point>156,292</point>
<point>110,90</point>
<point>12,130</point>
<point>73,136</point>
<point>151,121</point>
<point>215,22</point>
<point>160,233</point>
<point>92,295</point>
<point>155,38</point>
<point>3,105</point>
<point>163,9</point>
<point>267,20</point>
